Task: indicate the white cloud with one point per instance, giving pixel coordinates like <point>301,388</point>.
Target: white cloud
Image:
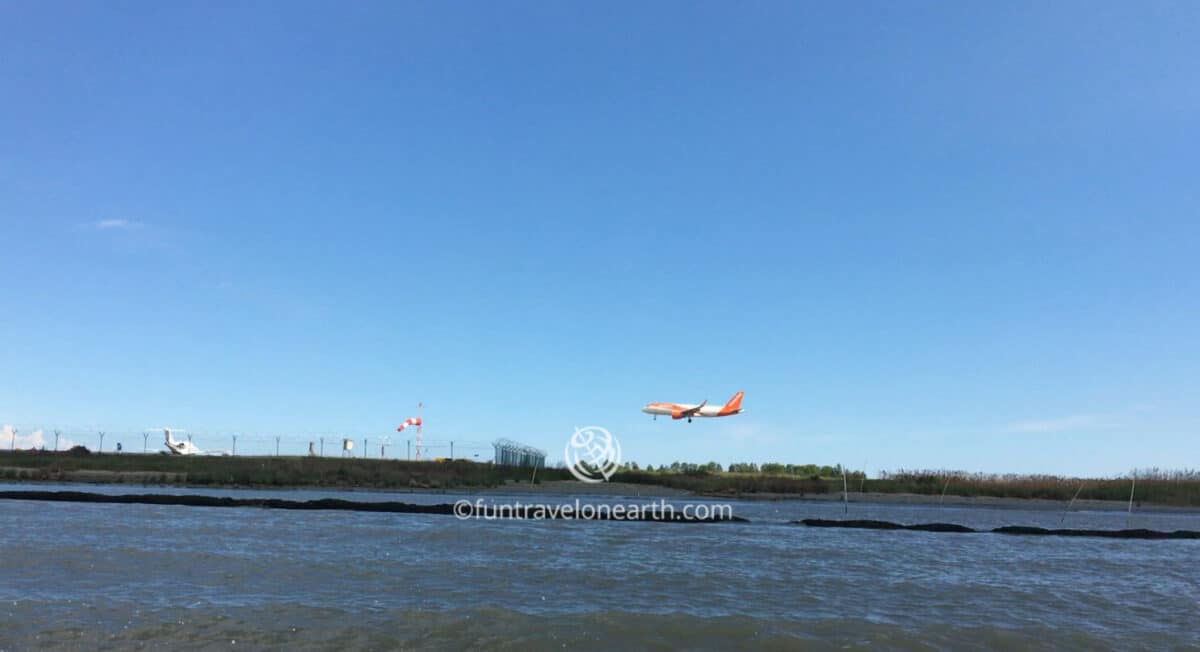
<point>1064,424</point>
<point>34,439</point>
<point>116,224</point>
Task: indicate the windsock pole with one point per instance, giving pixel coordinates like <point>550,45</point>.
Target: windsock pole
<point>419,422</point>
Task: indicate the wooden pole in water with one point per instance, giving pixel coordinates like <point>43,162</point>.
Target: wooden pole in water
<point>1132,487</point>
<point>845,494</point>
<point>942,502</point>
<point>1064,516</point>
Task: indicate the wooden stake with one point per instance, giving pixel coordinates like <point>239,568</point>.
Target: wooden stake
<point>1064,516</point>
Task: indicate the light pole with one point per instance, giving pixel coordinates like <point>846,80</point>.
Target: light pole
<point>451,449</point>
<point>57,432</point>
<point>322,447</point>
<point>101,441</point>
<point>408,442</point>
<point>235,445</point>
<point>145,442</point>
<point>276,445</point>
<point>13,445</point>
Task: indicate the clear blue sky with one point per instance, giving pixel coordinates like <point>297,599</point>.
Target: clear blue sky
<point>960,235</point>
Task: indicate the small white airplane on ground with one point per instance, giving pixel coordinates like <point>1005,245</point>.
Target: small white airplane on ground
<point>184,447</point>
<point>687,411</point>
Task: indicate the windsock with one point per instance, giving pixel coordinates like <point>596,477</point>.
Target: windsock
<point>415,421</point>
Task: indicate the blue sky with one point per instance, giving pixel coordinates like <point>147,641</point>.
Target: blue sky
<point>916,234</point>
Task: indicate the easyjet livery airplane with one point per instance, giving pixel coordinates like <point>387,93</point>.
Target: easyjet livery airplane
<point>686,411</point>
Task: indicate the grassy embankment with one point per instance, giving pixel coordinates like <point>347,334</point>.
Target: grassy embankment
<point>261,471</point>
<point>730,484</point>
<point>1178,488</point>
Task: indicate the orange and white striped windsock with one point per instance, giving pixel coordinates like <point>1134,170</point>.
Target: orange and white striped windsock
<point>415,421</point>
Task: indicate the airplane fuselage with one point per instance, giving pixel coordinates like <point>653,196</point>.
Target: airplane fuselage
<point>183,448</point>
<point>670,409</point>
<point>689,410</point>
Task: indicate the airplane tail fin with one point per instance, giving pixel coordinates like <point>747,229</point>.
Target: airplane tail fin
<point>733,405</point>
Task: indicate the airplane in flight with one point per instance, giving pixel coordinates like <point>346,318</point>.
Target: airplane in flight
<point>687,411</point>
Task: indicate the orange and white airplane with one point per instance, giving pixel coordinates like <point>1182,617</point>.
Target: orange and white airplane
<point>687,411</point>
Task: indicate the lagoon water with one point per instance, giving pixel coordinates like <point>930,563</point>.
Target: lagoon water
<point>121,576</point>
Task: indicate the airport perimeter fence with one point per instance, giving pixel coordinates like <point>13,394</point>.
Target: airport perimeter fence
<point>128,441</point>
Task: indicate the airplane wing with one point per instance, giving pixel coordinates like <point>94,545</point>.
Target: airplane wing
<point>692,411</point>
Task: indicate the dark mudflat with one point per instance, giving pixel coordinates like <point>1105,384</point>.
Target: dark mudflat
<point>465,510</point>
<point>1009,529</point>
